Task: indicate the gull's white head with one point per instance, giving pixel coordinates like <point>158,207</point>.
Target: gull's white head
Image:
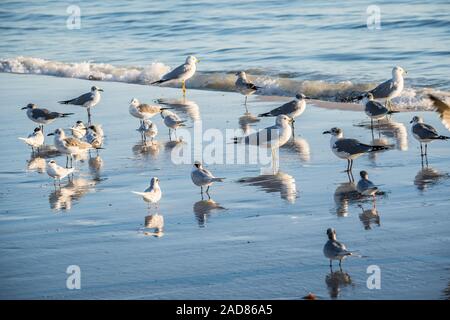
<point>30,106</point>
<point>337,132</point>
<point>134,102</point>
<point>58,133</point>
<point>331,233</point>
<point>283,120</point>
<point>398,71</point>
<point>368,96</point>
<point>95,88</point>
<point>197,165</point>
<point>416,119</point>
<point>241,74</point>
<point>364,175</point>
<point>192,60</point>
<point>154,181</point>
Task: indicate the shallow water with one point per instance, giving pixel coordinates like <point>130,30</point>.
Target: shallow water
<point>260,238</point>
<point>315,47</point>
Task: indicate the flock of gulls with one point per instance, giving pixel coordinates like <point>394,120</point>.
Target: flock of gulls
<point>89,137</point>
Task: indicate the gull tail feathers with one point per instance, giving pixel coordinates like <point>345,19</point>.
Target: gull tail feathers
<point>378,148</point>
<point>138,193</point>
<point>217,179</point>
<point>158,82</point>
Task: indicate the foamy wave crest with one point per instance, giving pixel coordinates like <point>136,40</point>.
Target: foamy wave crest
<point>411,99</point>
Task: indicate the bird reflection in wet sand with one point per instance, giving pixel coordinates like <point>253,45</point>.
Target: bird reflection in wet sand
<point>390,129</point>
<point>174,146</point>
<point>344,194</point>
<point>154,225</point>
<point>146,149</point>
<point>95,166</point>
<point>369,217</point>
<point>246,121</point>
<point>62,198</point>
<point>428,177</point>
<point>203,209</point>
<point>281,182</point>
<point>36,164</point>
<point>337,280</point>
<point>188,107</point>
<point>299,146</point>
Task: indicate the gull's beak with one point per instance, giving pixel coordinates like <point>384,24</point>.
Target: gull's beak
<point>411,121</point>
<point>51,134</point>
<point>100,89</point>
<point>326,132</point>
<point>406,72</point>
<point>23,108</point>
<point>306,97</point>
<point>198,60</point>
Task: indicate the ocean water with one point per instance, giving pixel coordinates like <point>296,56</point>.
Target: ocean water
<point>323,49</point>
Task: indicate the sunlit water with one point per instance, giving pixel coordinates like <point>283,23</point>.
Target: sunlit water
<point>259,236</point>
<point>322,49</point>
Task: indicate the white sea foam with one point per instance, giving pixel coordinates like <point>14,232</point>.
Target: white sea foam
<point>411,99</point>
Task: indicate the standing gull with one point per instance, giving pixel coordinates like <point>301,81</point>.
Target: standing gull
<point>203,178</point>
<point>391,88</point>
<point>142,110</point>
<point>292,109</point>
<point>35,139</point>
<point>87,100</point>
<point>95,136</point>
<point>335,250</point>
<point>244,86</point>
<point>181,73</point>
<point>172,121</point>
<point>374,109</point>
<point>42,116</point>
<point>57,172</point>
<point>68,145</point>
<point>424,133</point>
<point>349,149</point>
<point>152,194</point>
<point>148,129</point>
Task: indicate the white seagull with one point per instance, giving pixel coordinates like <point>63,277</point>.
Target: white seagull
<point>148,129</point>
<point>57,172</point>
<point>153,193</point>
<point>181,73</point>
<point>35,139</point>
<point>391,88</point>
<point>203,177</point>
<point>87,100</point>
<point>79,130</point>
<point>366,187</point>
<point>244,86</point>
<point>424,133</point>
<point>292,109</point>
<point>349,149</point>
<point>43,116</point>
<point>143,111</point>
<point>172,121</point>
<point>95,136</point>
<point>374,109</point>
<point>335,250</point>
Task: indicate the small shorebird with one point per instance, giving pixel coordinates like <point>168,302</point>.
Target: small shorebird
<point>366,187</point>
<point>374,109</point>
<point>35,139</point>
<point>203,177</point>
<point>349,149</point>
<point>79,130</point>
<point>181,73</point>
<point>148,129</point>
<point>424,133</point>
<point>153,194</point>
<point>57,172</point>
<point>87,100</point>
<point>172,121</point>
<point>43,116</point>
<point>68,145</point>
<point>244,86</point>
<point>95,136</point>
<point>335,250</point>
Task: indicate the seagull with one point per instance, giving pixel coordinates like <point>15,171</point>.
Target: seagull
<point>424,133</point>
<point>391,88</point>
<point>153,193</point>
<point>95,136</point>
<point>244,86</point>
<point>57,172</point>
<point>374,109</point>
<point>349,149</point>
<point>35,139</point>
<point>79,130</point>
<point>172,121</point>
<point>148,129</point>
<point>335,250</point>
<point>366,187</point>
<point>292,109</point>
<point>87,100</point>
<point>203,178</point>
<point>181,73</point>
<point>69,145</point>
<point>42,116</point>
<point>142,110</point>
